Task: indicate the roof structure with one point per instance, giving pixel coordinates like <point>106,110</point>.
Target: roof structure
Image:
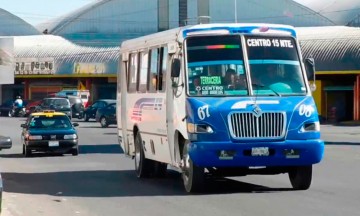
<point>344,12</point>
<point>65,56</point>
<point>11,25</point>
<point>111,21</point>
<point>61,49</point>
<point>334,48</point>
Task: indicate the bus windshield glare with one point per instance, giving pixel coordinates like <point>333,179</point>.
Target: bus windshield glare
<point>274,65</point>
<point>215,66</point>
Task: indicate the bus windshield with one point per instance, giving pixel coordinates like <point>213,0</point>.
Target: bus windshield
<point>274,66</point>
<point>215,66</point>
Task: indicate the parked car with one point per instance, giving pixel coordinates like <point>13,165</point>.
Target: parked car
<point>6,108</point>
<point>77,107</point>
<point>90,112</point>
<point>57,104</point>
<point>83,94</point>
<point>5,143</point>
<point>106,115</point>
<point>31,106</point>
<point>49,131</point>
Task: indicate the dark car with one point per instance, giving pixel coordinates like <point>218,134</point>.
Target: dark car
<point>90,112</point>
<point>7,106</point>
<point>57,104</point>
<point>106,115</point>
<point>77,107</point>
<point>49,131</point>
<point>5,143</point>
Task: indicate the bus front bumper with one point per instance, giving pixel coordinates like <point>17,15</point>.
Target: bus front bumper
<point>229,154</point>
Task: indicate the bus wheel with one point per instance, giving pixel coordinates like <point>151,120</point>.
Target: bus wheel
<point>192,175</point>
<point>300,177</point>
<point>142,165</point>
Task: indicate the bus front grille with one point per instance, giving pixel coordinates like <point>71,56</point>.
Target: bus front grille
<point>248,125</point>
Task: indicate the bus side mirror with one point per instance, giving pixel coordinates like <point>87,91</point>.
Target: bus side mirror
<point>310,72</point>
<point>175,68</point>
<point>310,69</point>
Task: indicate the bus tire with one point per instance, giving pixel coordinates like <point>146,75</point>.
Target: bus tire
<point>142,165</point>
<point>192,175</point>
<point>300,177</point>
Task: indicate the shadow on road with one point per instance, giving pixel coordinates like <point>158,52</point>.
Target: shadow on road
<point>100,149</point>
<point>34,155</point>
<point>83,149</point>
<point>342,143</point>
<point>111,183</point>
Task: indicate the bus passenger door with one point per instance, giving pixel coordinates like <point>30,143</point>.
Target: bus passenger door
<point>122,108</point>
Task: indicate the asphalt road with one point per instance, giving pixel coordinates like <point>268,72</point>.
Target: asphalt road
<point>101,181</point>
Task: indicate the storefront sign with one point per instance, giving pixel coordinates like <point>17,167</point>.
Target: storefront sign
<point>89,68</point>
<point>33,66</point>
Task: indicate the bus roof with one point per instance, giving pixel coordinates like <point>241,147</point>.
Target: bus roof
<point>233,28</point>
<point>177,34</point>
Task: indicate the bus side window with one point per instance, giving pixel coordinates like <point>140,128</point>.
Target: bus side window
<point>162,74</point>
<point>144,66</point>
<point>133,73</point>
<point>154,68</point>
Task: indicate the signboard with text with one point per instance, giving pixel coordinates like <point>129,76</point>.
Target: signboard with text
<point>33,66</point>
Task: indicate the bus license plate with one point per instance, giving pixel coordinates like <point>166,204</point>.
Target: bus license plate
<point>53,143</point>
<point>260,151</point>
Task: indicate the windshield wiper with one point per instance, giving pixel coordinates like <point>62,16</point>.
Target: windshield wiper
<point>266,87</point>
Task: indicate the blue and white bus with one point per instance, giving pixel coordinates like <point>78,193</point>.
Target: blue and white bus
<point>214,100</point>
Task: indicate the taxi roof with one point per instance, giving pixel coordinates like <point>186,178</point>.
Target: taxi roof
<point>48,113</point>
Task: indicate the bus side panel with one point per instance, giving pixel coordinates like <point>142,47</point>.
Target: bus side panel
<point>176,113</point>
<point>147,112</point>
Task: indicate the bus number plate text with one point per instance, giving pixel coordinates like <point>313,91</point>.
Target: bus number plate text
<point>260,151</point>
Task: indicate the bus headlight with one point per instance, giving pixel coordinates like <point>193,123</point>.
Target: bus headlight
<point>310,127</point>
<point>199,128</point>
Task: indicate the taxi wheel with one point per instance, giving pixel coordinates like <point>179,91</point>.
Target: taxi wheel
<point>26,151</point>
<point>75,152</point>
<point>103,122</point>
<point>86,117</point>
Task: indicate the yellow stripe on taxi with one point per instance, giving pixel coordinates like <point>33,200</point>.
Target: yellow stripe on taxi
<point>48,113</point>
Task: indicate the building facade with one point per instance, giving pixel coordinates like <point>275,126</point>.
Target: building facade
<point>80,50</point>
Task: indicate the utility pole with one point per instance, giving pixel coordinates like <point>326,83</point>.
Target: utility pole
<point>235,8</point>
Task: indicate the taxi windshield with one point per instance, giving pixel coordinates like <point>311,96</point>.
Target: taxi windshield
<point>215,66</point>
<point>54,122</point>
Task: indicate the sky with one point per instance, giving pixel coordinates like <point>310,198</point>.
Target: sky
<point>40,11</point>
